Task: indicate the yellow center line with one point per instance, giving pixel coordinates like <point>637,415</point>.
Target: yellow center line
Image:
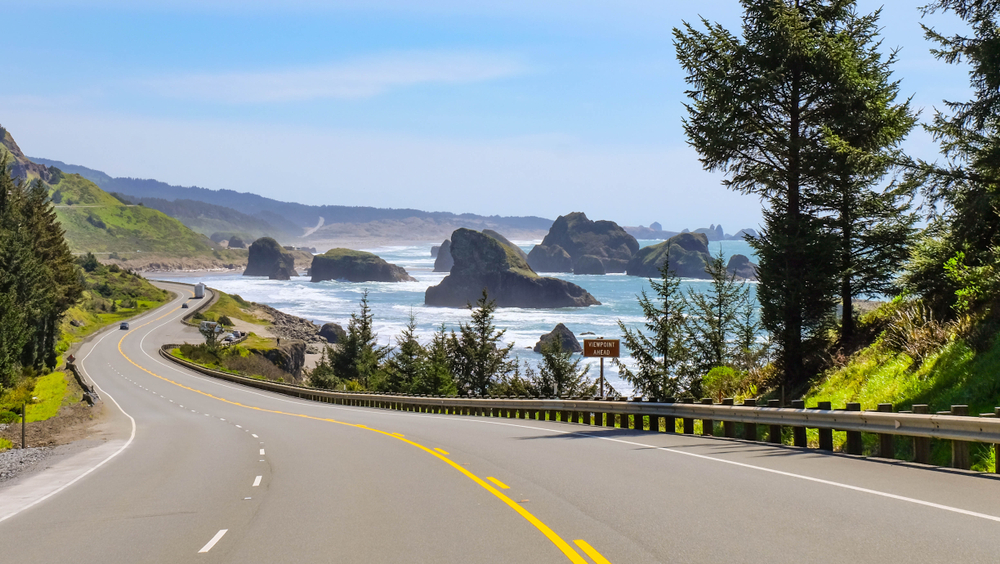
<point>442,451</point>
<point>597,557</point>
<point>562,545</point>
<point>499,484</point>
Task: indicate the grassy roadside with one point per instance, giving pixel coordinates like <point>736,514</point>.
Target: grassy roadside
<point>240,360</point>
<point>112,295</point>
<point>233,307</point>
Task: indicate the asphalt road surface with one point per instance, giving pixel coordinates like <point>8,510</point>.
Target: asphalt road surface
<point>200,470</point>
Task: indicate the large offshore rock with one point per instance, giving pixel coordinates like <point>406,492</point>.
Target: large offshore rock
<point>444,262</point>
<point>578,237</point>
<point>483,262</point>
<point>356,266</point>
<point>741,267</point>
<point>266,257</point>
<point>561,332</point>
<point>332,332</point>
<point>688,254</point>
<point>520,252</point>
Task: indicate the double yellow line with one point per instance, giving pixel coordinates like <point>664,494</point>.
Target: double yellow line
<point>561,544</point>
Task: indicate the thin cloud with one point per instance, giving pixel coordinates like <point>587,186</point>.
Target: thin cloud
<point>362,78</point>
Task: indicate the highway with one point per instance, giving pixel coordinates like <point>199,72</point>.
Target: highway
<point>200,470</point>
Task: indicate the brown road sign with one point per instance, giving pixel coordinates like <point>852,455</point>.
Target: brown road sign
<point>601,347</point>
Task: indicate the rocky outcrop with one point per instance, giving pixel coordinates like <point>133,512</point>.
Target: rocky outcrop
<point>236,243</point>
<point>266,257</point>
<point>589,264</point>
<point>483,262</point>
<point>355,266</point>
<point>741,267</point>
<point>569,341</point>
<point>687,252</point>
<point>290,356</point>
<point>444,262</point>
<point>578,237</point>
<point>434,251</point>
<point>282,273</point>
<point>520,252</point>
<point>333,333</point>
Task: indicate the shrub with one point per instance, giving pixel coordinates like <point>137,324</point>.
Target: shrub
<point>255,365</point>
<point>226,321</point>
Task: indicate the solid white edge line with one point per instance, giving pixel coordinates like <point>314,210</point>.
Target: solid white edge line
<point>214,540</point>
<point>99,464</point>
<point>257,480</point>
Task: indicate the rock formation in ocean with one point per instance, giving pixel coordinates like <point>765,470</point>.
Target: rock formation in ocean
<point>266,258</point>
<point>569,341</point>
<point>740,266</point>
<point>332,332</point>
<point>688,253</point>
<point>355,266</point>
<point>444,262</point>
<point>574,236</point>
<point>482,261</point>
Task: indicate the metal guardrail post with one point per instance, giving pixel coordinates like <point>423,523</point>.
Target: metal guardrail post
<point>886,442</point>
<point>774,431</point>
<point>707,425</point>
<point>670,422</point>
<point>960,449</point>
<point>854,443</point>
<point>637,417</point>
<point>729,427</point>
<point>825,435</point>
<point>799,433</point>
<point>750,429</point>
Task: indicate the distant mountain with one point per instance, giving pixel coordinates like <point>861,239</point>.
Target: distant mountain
<point>98,222</point>
<point>284,215</point>
<point>217,222</point>
<point>714,233</point>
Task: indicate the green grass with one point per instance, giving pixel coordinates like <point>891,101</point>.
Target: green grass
<point>5,445</point>
<point>954,374</point>
<point>50,391</point>
<point>234,307</point>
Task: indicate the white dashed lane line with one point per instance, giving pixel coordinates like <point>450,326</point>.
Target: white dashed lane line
<point>257,480</point>
<point>214,540</point>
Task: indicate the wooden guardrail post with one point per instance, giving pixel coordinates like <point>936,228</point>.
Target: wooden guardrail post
<point>707,425</point>
<point>688,421</point>
<point>886,442</point>
<point>728,427</point>
<point>799,433</point>
<point>854,444</point>
<point>774,431</point>
<point>960,449</point>
<point>669,423</point>
<point>750,429</point>
<point>637,417</point>
<point>996,447</point>
<point>825,435</point>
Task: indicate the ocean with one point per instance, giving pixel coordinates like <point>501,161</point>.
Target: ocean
<point>392,303</point>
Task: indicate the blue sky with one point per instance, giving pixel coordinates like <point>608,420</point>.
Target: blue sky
<point>511,108</point>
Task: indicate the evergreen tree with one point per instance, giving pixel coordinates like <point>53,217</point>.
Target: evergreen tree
<point>873,226</point>
<point>713,316</point>
<point>761,111</point>
<point>407,365</point>
<point>436,379</point>
<point>966,187</point>
<point>360,357</point>
<point>560,375</point>
<point>661,358</point>
<point>479,358</point>
<point>322,376</point>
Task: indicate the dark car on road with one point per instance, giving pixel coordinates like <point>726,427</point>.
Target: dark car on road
<point>124,325</point>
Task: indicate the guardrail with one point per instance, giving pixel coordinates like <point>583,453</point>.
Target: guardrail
<point>748,421</point>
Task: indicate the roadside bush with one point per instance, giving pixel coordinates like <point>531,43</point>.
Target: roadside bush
<point>226,321</point>
<point>9,417</point>
<point>200,354</point>
<point>255,365</point>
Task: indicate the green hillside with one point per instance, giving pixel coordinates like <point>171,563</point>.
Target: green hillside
<point>98,222</point>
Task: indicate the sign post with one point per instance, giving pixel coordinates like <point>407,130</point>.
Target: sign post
<point>601,348</point>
